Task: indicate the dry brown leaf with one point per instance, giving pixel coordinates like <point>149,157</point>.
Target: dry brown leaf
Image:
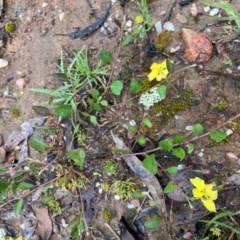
<point>44,227</point>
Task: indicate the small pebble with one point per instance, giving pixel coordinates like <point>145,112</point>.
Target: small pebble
<point>201,154</point>
<point>173,50</point>
<point>130,206</point>
<point>117,197</point>
<point>169,26</point>
<point>44,4</point>
<point>163,12</point>
<point>158,27</point>
<point>189,128</point>
<point>181,18</point>
<point>231,156</point>
<point>206,9</point>
<point>3,63</point>
<point>229,132</point>
<point>61,16</point>
<point>21,83</point>
<point>194,10</point>
<point>1,140</point>
<point>214,12</point>
<point>129,23</point>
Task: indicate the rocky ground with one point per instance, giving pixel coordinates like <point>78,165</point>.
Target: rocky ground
<point>202,89</point>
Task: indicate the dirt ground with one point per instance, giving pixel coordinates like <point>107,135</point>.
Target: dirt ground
<point>33,51</point>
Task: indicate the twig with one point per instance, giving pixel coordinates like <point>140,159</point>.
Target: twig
<point>109,227</point>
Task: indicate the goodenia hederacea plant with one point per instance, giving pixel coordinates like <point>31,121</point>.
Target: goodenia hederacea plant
<point>204,192</point>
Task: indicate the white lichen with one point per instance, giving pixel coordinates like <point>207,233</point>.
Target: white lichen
<point>149,98</point>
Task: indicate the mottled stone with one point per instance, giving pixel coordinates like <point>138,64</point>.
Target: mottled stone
<point>2,154</point>
<point>198,47</point>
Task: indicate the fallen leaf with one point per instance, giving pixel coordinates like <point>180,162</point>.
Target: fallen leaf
<point>44,227</point>
<point>198,47</point>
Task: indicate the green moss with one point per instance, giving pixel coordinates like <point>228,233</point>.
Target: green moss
<point>188,95</point>
<point>146,85</point>
<point>164,40</point>
<point>54,206</point>
<point>9,27</point>
<point>235,126</point>
<point>124,189</point>
<point>222,104</point>
<point>107,215</point>
<point>171,108</point>
<point>15,112</point>
<point>223,142</point>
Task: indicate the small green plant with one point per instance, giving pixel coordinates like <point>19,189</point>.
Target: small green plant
<point>233,14</point>
<point>76,79</point>
<point>222,228</point>
<point>111,167</point>
<point>9,27</point>
<point>144,25</point>
<point>125,189</point>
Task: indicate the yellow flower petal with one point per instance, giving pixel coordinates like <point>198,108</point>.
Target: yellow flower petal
<point>210,193</point>
<point>162,75</point>
<point>198,183</point>
<point>139,19</point>
<point>155,66</point>
<point>152,75</point>
<point>197,194</point>
<point>209,204</point>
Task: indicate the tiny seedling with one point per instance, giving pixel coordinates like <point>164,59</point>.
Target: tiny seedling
<point>140,32</point>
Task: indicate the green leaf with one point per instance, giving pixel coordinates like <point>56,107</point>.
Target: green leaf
<point>95,94</point>
<point>197,129</point>
<point>93,119</point>
<point>14,188</point>
<point>47,199</point>
<point>169,188</point>
<point>153,222</point>
<point>166,144</point>
<point>3,169</point>
<point>116,87</point>
<point>18,206</point>
<point>37,143</point>
<point>45,189</point>
<point>41,110</point>
<point>141,140</point>
<point>104,103</point>
<point>135,87</point>
<point>147,122</point>
<point>77,155</point>
<point>172,170</point>
<point>132,128</point>
<point>190,148</point>
<point>25,185</point>
<point>106,57</point>
<point>179,153</point>
<point>126,40</point>
<point>178,138</point>
<point>3,185</point>
<point>162,90</point>
<point>150,163</point>
<point>218,136</point>
<point>170,65</point>
<point>63,110</point>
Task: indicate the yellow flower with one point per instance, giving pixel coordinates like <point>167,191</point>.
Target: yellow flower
<point>139,19</point>
<point>204,192</point>
<point>159,71</point>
